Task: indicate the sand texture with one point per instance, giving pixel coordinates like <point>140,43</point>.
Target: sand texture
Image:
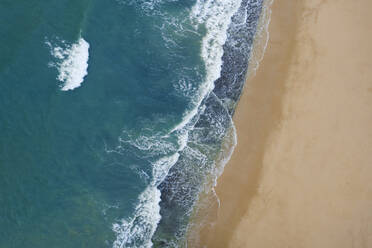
<point>301,175</point>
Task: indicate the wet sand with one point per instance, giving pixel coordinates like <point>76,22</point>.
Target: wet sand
<point>301,175</point>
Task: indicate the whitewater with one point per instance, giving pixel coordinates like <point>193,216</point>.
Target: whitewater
<point>71,62</point>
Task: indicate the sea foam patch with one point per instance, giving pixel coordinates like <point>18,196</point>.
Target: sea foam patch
<point>71,63</point>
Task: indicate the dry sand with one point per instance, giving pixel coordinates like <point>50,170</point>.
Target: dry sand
<point>301,175</point>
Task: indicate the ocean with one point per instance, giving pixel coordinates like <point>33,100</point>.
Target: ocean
<point>115,116</point>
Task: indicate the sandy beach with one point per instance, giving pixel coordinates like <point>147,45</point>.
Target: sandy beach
<point>301,174</point>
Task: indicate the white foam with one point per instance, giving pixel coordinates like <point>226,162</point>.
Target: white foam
<point>138,231</point>
<point>143,224</point>
<point>72,63</point>
<point>161,168</point>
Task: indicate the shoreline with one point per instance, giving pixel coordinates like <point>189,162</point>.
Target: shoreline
<point>235,60</point>
<point>294,179</point>
<point>260,101</point>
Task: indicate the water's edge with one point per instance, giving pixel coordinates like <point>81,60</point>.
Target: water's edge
<point>219,107</point>
<point>203,214</point>
<point>191,156</point>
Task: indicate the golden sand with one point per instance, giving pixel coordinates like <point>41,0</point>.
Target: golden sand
<point>301,175</point>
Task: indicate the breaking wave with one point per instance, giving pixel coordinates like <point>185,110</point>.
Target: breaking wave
<point>138,231</point>
<point>71,63</point>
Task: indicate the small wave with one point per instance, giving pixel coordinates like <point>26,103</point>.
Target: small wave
<point>72,63</point>
<point>138,231</point>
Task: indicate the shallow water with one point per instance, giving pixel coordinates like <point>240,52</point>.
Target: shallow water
<point>110,121</point>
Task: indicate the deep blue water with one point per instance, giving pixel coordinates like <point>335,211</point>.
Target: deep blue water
<point>114,116</point>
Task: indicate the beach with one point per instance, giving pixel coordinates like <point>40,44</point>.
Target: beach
<point>301,174</point>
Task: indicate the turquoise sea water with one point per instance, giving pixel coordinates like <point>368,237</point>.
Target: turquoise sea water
<point>113,115</point>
